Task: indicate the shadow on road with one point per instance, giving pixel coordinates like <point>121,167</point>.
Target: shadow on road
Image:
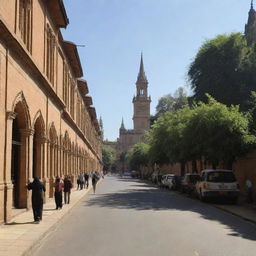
<point>147,197</point>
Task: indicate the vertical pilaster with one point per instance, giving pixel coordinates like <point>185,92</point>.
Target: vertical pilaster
<point>7,188</point>
<point>26,164</point>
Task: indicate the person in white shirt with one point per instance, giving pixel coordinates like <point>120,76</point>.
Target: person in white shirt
<point>249,189</point>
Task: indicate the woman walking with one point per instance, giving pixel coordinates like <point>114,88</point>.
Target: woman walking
<point>58,193</point>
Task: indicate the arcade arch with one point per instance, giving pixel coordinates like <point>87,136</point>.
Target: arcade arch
<point>21,137</point>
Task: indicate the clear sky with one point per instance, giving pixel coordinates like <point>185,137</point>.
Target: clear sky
<point>169,32</point>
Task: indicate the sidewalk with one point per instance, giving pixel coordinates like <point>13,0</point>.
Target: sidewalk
<point>21,235</point>
<point>242,209</point>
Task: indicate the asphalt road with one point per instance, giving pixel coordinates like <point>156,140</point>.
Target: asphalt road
<point>130,218</point>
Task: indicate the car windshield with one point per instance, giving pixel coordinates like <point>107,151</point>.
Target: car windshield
<point>221,177</point>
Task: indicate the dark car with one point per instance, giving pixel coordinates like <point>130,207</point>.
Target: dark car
<point>177,180</point>
<point>134,174</point>
<point>188,184</point>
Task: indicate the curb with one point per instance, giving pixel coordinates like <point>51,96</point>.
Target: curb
<point>212,205</point>
<point>235,214</point>
<point>38,242</point>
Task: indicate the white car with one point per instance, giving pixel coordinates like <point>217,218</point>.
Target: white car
<point>167,180</point>
<point>218,184</point>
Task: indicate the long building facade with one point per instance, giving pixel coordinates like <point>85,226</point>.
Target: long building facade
<point>48,124</point>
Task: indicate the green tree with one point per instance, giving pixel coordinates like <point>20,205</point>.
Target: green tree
<point>171,102</point>
<point>252,112</point>
<point>210,130</point>
<point>166,138</point>
<point>218,133</point>
<point>138,155</point>
<point>109,156</point>
<point>224,67</point>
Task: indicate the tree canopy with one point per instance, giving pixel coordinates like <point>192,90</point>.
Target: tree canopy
<point>138,155</point>
<point>217,132</point>
<point>109,156</point>
<point>171,102</point>
<point>224,67</point>
<point>210,130</point>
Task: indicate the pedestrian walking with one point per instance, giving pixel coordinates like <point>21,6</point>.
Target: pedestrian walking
<point>86,180</point>
<point>81,178</point>
<point>58,185</point>
<point>67,189</point>
<point>38,189</point>
<point>78,182</point>
<point>249,189</point>
<point>94,182</point>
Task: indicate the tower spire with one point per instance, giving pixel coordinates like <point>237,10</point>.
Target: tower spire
<point>122,124</point>
<point>142,75</point>
<point>141,64</point>
<point>250,27</point>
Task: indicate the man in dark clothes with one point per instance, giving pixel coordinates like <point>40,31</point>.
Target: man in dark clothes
<point>67,189</point>
<point>58,192</point>
<point>86,178</point>
<point>94,181</point>
<point>37,188</point>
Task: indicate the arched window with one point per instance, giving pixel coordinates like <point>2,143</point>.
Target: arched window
<point>25,22</point>
<point>50,54</point>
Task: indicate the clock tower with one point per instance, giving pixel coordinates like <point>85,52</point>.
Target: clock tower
<point>141,102</point>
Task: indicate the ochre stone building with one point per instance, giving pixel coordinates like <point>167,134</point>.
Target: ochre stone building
<point>141,114</point>
<point>48,124</point>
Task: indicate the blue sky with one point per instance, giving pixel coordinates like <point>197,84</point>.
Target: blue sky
<point>169,32</point>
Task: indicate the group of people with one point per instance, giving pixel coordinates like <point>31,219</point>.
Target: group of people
<point>60,186</point>
<point>82,181</point>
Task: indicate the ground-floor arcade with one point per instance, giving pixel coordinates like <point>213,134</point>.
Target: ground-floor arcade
<point>32,147</point>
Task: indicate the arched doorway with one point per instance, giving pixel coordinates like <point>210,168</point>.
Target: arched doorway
<point>38,148</point>
<point>15,169</point>
<point>19,157</point>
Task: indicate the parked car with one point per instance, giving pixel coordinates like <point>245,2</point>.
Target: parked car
<point>188,184</point>
<point>177,182</point>
<point>134,174</point>
<point>218,184</point>
<point>167,180</point>
<point>126,175</point>
<point>159,180</point>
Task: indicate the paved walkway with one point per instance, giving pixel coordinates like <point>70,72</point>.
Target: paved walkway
<point>21,235</point>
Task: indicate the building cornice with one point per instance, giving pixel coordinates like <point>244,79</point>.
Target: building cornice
<point>57,12</point>
<point>82,86</point>
<point>72,55</point>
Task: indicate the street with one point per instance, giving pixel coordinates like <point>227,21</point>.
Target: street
<point>129,217</point>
